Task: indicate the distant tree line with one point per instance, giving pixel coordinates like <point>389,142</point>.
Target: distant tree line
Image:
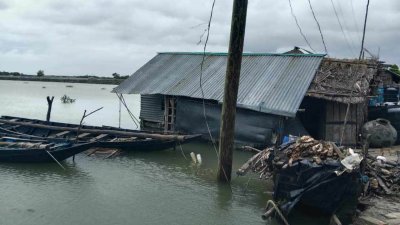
<point>118,76</point>
<point>41,73</point>
<point>5,73</point>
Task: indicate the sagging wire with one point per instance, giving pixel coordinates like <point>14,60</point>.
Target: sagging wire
<point>133,117</point>
<point>319,26</point>
<point>350,47</point>
<point>356,25</point>
<point>298,26</point>
<point>341,13</point>
<point>202,91</point>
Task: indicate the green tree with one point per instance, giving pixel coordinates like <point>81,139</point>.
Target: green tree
<point>116,75</point>
<point>395,69</point>
<point>40,73</point>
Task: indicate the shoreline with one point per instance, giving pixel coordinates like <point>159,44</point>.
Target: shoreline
<point>65,79</point>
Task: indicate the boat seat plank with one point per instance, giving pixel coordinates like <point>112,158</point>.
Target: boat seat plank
<point>15,127</point>
<point>98,137</point>
<point>83,135</point>
<point>60,134</point>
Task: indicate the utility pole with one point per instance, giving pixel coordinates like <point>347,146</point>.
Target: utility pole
<point>363,37</point>
<point>232,77</point>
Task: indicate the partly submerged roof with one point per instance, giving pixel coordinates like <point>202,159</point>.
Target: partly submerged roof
<point>270,83</point>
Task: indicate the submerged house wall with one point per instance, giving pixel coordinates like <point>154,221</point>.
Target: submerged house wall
<point>152,112</point>
<point>251,127</point>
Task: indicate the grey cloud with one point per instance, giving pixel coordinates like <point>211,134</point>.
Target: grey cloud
<point>3,5</point>
<point>101,36</point>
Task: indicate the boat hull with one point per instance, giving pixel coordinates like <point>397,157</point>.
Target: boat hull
<point>108,141</point>
<point>20,155</point>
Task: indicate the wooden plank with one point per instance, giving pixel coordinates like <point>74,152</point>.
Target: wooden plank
<point>98,137</point>
<point>60,134</point>
<point>83,135</point>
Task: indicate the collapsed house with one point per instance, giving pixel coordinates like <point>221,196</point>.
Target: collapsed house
<point>336,102</point>
<point>279,94</point>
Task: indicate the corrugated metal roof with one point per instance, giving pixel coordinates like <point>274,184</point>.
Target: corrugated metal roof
<point>270,83</point>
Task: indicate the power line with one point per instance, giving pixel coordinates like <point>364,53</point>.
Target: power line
<point>346,28</point>
<point>319,27</point>
<point>298,26</point>
<point>202,91</point>
<point>341,28</point>
<point>356,25</point>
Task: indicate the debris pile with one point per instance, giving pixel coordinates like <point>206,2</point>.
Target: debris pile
<point>381,177</point>
<point>304,147</point>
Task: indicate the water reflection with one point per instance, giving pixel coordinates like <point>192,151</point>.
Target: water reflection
<point>224,196</point>
<point>43,172</point>
<point>171,165</point>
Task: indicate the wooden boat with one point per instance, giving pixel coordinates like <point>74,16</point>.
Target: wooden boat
<point>33,151</point>
<point>106,137</point>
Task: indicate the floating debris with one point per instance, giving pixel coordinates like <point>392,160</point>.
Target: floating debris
<point>66,99</point>
<point>69,86</point>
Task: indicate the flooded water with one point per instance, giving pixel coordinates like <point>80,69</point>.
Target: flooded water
<point>135,188</point>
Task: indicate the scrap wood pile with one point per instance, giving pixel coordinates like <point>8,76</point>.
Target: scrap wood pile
<point>381,177</point>
<point>305,147</point>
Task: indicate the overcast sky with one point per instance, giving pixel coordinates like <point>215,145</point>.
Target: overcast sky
<point>99,37</point>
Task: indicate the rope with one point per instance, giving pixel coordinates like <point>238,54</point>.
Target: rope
<point>134,119</point>
<point>180,146</point>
